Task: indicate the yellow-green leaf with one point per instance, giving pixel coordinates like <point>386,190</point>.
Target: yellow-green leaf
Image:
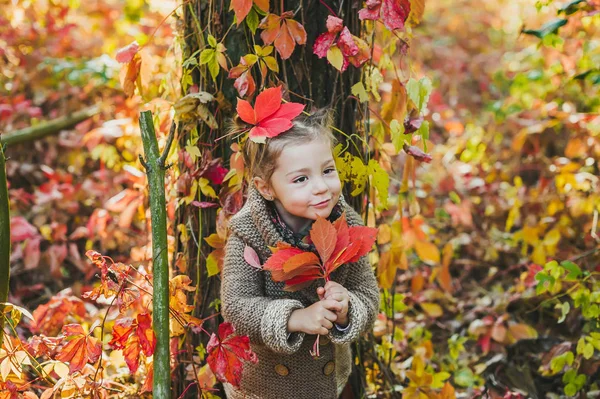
<point>432,309</point>
<point>335,57</point>
<point>212,267</point>
<point>359,91</point>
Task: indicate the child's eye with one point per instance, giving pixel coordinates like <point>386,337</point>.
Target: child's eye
<point>329,170</point>
<point>300,179</point>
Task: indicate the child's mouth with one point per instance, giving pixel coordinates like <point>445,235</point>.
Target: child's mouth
<point>322,204</point>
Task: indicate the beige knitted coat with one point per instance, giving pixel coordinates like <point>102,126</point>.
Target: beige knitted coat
<point>258,307</point>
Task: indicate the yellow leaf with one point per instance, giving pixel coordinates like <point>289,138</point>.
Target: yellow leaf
<point>539,255</point>
<point>432,309</point>
<point>417,9</point>
<point>552,238</point>
<point>381,181</point>
<point>359,91</point>
<point>531,235</point>
<point>206,188</point>
<point>384,235</point>
<point>215,241</point>
<point>212,266</point>
<point>427,252</point>
<point>520,331</point>
<point>335,57</point>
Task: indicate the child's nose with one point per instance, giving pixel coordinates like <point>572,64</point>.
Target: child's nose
<point>319,185</point>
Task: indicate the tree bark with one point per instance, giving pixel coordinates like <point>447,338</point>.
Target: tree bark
<point>47,128</point>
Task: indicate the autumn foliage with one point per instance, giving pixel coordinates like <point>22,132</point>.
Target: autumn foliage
<point>475,157</point>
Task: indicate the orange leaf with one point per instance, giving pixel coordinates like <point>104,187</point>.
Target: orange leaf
<point>262,4</point>
<point>284,43</point>
<point>80,349</point>
<point>324,236</point>
<point>296,264</point>
<point>241,9</point>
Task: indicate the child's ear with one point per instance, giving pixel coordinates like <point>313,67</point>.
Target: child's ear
<point>264,188</point>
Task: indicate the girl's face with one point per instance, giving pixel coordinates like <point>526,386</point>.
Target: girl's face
<point>305,183</point>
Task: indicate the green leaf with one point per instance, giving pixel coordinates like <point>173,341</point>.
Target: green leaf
<point>425,88</point>
<point>381,181</point>
<point>569,376</point>
<point>546,29</point>
<point>359,91</point>
<point>570,389</point>
<point>588,351</point>
<point>397,133</point>
<point>412,90</point>
<point>439,378</point>
<point>252,20</point>
<point>201,351</point>
<point>207,55</point>
<point>572,268</point>
<point>212,41</point>
<point>424,133</point>
<point>564,308</point>
<point>464,377</point>
<point>213,68</point>
<point>335,57</point>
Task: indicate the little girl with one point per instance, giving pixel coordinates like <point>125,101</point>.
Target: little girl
<point>294,180</point>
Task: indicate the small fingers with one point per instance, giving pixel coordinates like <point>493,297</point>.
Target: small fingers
<point>327,324</point>
<point>331,304</point>
<point>323,331</point>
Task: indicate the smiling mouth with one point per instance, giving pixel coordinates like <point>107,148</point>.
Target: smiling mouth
<point>322,203</point>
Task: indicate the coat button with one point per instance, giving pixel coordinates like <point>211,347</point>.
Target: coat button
<point>282,370</point>
<point>324,340</point>
<point>329,367</point>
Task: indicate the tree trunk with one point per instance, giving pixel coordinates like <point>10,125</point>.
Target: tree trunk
<point>308,78</point>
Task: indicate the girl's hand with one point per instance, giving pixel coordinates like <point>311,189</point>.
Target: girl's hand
<point>318,318</point>
<point>336,292</point>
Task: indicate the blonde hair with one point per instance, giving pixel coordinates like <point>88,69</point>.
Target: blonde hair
<point>261,159</point>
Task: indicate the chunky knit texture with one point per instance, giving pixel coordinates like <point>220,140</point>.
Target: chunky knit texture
<point>259,307</point>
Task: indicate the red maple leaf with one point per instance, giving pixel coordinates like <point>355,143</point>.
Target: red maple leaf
<point>226,352</point>
<point>393,13</point>
<point>79,348</point>
<point>269,116</point>
<point>336,244</point>
<point>134,336</point>
<point>354,50</point>
<point>284,31</point>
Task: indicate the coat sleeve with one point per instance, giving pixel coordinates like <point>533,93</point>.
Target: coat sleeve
<point>244,304</point>
<point>364,302</point>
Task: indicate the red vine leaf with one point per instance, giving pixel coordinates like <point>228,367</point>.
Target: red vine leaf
<point>393,13</point>
<point>79,349</point>
<point>226,352</point>
<point>269,116</point>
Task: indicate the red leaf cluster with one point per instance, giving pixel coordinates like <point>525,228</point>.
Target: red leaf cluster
<point>354,49</point>
<point>393,13</point>
<point>226,352</point>
<point>134,336</point>
<point>269,116</point>
<point>336,244</point>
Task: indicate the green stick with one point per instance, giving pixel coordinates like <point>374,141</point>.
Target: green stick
<point>4,241</point>
<point>155,170</point>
